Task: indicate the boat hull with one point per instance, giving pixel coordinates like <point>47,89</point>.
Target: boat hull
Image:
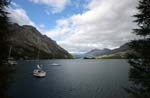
<point>39,73</point>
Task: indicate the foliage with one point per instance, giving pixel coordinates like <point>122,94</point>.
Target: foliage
<point>139,59</point>
<point>117,55</point>
<point>5,70</point>
<point>4,29</point>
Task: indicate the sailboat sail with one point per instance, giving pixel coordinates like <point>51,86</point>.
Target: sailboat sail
<point>38,66</point>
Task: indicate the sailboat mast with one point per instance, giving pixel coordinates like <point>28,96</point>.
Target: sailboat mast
<point>9,51</point>
<point>38,49</point>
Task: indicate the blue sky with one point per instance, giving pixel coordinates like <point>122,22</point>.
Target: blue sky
<point>42,13</point>
<point>79,25</point>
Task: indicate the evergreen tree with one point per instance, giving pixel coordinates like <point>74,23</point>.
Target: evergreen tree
<point>4,29</point>
<point>5,70</point>
<point>139,59</point>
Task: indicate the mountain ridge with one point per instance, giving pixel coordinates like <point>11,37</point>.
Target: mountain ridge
<point>27,41</point>
<point>96,52</point>
<point>119,52</point>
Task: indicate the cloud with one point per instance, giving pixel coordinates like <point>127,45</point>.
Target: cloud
<point>105,24</point>
<point>15,4</point>
<point>61,31</point>
<point>42,26</point>
<point>56,5</point>
<point>19,15</point>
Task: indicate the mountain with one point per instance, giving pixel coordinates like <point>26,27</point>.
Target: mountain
<point>120,52</point>
<point>117,53</point>
<point>96,52</point>
<point>78,55</point>
<point>27,42</point>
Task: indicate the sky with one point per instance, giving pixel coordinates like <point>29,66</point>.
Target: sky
<point>79,25</point>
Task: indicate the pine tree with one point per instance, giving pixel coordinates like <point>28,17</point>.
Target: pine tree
<point>4,29</point>
<point>139,59</point>
<point>5,70</point>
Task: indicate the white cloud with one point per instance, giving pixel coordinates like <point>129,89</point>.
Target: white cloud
<point>106,24</point>
<point>42,26</point>
<point>19,15</point>
<point>61,31</point>
<point>14,4</point>
<point>56,5</point>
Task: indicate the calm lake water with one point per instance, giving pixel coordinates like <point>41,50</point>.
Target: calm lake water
<point>73,79</point>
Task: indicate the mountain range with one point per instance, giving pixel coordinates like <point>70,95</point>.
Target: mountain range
<point>28,43</point>
<point>96,52</point>
<point>120,52</point>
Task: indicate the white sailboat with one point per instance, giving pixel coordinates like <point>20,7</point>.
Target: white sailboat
<point>54,64</point>
<point>11,60</point>
<point>39,72</point>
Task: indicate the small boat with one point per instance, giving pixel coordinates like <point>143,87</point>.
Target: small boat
<point>55,64</point>
<point>11,61</point>
<point>39,72</point>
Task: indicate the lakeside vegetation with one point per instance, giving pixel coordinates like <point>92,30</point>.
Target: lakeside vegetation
<point>118,55</point>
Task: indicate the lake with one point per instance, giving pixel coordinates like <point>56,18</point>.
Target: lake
<point>77,78</point>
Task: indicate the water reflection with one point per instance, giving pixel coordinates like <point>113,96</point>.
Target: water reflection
<point>6,79</point>
<point>139,76</point>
